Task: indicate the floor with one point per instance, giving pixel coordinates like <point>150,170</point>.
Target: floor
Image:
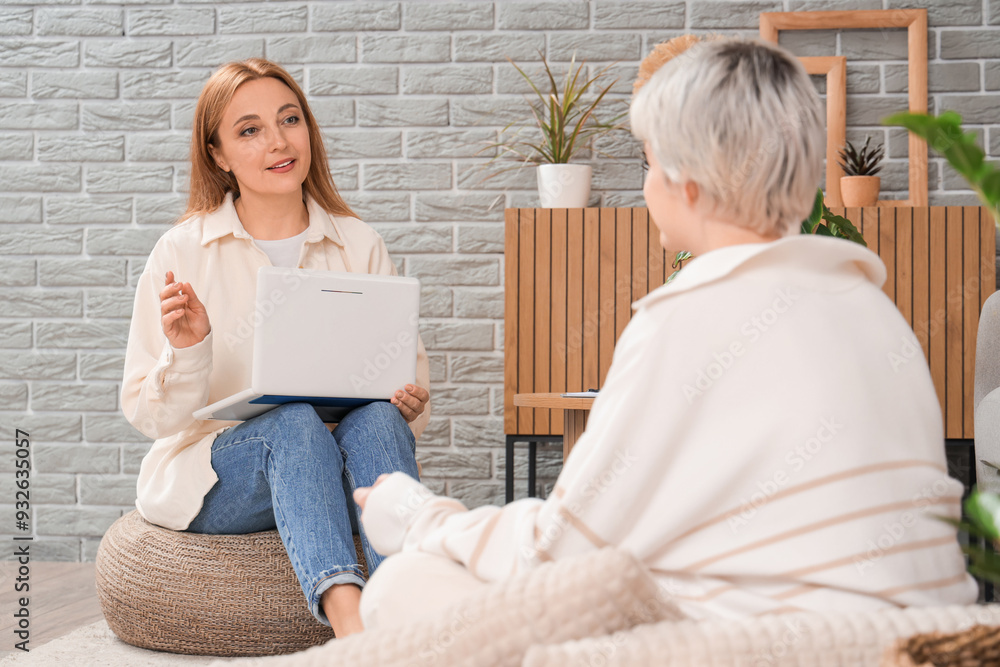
<point>61,598</point>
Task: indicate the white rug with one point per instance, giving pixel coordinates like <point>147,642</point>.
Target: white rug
<point>95,645</point>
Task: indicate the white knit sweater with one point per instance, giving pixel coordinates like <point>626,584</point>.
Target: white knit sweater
<point>768,439</point>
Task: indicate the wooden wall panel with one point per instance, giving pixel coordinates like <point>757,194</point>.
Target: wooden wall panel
<point>938,305</point>
<point>623,270</point>
<point>954,369</point>
<point>970,313</point>
<point>904,262</point>
<point>559,318</point>
<point>868,225</point>
<point>591,297</point>
<point>525,313</point>
<point>574,302</point>
<point>510,317</point>
<point>606,310</point>
<point>640,257</point>
<point>543,309</point>
<point>921,282</point>
<point>572,275</point>
<point>886,246</point>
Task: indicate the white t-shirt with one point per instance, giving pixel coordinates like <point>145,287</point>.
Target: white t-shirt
<point>284,252</point>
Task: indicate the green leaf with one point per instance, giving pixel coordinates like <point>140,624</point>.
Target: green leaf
<point>679,258</point>
<point>982,508</point>
<point>836,225</point>
<point>990,188</point>
<point>984,563</point>
<point>944,135</point>
<point>845,228</point>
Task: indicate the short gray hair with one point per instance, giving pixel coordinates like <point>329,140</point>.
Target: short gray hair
<point>742,120</point>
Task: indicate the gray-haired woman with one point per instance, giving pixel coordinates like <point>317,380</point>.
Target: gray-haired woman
<point>760,442</point>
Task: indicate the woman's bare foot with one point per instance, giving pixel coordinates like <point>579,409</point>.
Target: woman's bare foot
<point>341,604</point>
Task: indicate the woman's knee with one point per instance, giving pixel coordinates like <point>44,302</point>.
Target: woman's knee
<point>294,424</point>
<point>292,418</point>
<point>383,411</point>
<point>394,577</point>
<point>436,582</point>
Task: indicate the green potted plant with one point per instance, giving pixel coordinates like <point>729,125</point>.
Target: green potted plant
<point>564,121</point>
<point>860,185</point>
<point>824,222</point>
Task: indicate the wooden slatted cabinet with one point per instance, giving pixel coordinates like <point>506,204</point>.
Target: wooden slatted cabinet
<point>571,278</point>
<point>572,275</point>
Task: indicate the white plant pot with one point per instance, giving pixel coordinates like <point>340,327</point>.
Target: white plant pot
<point>564,185</point>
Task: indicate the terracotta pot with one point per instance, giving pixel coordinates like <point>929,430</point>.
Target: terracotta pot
<point>860,190</point>
<point>563,185</point>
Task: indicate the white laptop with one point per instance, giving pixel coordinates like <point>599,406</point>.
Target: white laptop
<point>334,340</point>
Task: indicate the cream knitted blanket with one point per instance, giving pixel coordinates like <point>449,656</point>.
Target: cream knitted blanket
<point>591,595</point>
<point>605,609</point>
<point>792,640</point>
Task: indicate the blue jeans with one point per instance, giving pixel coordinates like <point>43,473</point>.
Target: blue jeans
<point>286,470</point>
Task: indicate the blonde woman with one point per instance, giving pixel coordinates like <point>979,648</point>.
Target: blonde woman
<point>757,442</point>
<point>261,194</point>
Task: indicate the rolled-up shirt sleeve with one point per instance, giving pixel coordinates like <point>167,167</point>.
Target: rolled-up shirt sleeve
<point>162,385</point>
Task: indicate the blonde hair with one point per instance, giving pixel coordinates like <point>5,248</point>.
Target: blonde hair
<point>209,183</point>
<point>742,120</point>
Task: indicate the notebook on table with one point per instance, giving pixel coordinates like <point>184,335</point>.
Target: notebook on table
<point>331,339</point>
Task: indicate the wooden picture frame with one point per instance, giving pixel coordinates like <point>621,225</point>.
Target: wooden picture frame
<point>915,21</point>
<point>835,70</point>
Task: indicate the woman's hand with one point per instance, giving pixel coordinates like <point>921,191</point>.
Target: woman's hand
<point>411,401</point>
<point>183,316</point>
<point>361,493</point>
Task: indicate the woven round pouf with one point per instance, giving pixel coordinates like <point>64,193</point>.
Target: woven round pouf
<point>224,595</point>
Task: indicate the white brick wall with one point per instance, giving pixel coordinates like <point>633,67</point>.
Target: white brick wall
<point>95,111</point>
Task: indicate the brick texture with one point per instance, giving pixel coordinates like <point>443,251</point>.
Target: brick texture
<point>96,108</point>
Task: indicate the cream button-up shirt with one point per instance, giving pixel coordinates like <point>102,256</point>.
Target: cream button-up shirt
<point>164,386</point>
